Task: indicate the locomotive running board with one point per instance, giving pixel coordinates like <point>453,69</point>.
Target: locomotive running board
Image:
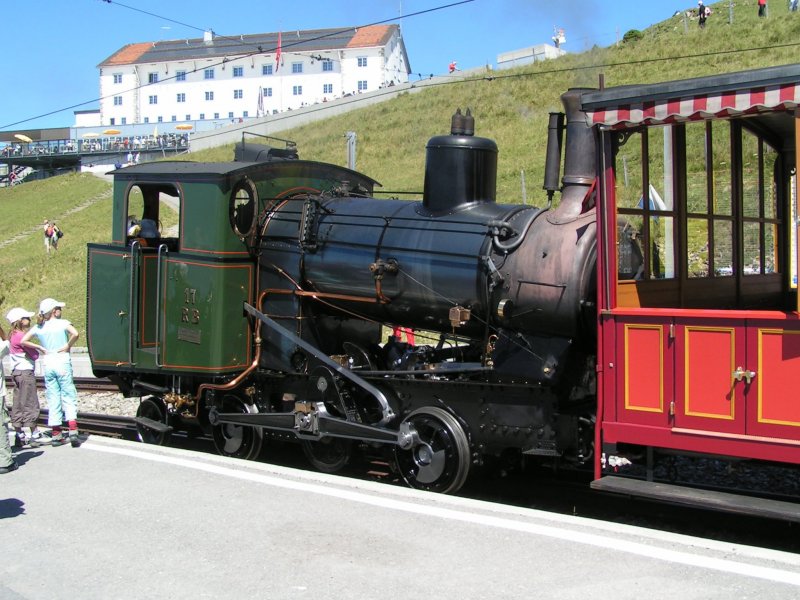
<point>386,410</point>
<point>697,498</point>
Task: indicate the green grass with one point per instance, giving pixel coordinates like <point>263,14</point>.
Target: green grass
<point>510,107</point>
<point>27,273</point>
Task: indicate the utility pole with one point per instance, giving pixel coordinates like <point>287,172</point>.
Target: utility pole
<point>351,149</point>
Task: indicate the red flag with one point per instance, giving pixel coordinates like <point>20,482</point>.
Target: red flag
<point>278,54</point>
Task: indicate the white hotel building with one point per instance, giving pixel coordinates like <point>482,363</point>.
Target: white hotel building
<point>219,78</point>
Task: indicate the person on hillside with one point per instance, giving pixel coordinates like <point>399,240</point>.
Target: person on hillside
<point>7,462</point>
<point>25,409</point>
<point>56,337</point>
<point>56,235</point>
<point>762,8</point>
<point>48,235</point>
<point>702,13</point>
<point>793,5</point>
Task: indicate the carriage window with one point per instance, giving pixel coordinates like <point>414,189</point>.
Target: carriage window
<point>153,215</point>
<point>645,192</point>
<point>759,206</point>
<point>709,231</point>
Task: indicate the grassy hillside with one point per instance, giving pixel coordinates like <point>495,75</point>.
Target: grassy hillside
<point>510,107</point>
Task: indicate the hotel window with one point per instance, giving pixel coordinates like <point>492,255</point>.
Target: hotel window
<point>152,78</point>
<point>362,61</point>
<point>174,118</point>
<point>238,71</point>
<point>117,77</point>
<point>117,100</point>
<point>153,99</point>
<point>230,115</point>
<point>362,85</point>
<point>208,74</point>
<point>147,119</point>
<point>202,116</point>
<point>266,69</point>
<point>188,117</point>
<point>237,94</point>
<point>181,97</point>
<point>327,88</point>
<point>209,95</point>
<point>216,115</point>
<point>180,75</point>
<point>327,65</point>
<point>245,114</point>
<point>297,90</point>
<point>297,67</point>
<point>267,92</point>
<point>160,119</point>
<point>124,120</point>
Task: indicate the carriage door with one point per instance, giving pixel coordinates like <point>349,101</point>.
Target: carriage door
<point>711,375</point>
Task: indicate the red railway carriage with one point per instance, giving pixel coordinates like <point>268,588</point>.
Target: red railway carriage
<point>699,332</point>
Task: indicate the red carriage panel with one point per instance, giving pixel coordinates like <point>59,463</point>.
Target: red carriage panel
<point>644,367</point>
<point>775,405</point>
<point>709,356</point>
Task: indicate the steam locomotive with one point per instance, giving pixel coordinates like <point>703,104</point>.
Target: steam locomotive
<point>275,306</point>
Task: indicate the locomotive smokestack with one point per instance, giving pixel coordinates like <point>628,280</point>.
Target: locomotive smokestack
<point>579,159</point>
<point>552,167</point>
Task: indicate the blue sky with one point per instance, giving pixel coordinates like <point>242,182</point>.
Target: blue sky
<point>53,47</point>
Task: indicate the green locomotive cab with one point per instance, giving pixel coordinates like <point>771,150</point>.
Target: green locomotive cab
<point>165,296</point>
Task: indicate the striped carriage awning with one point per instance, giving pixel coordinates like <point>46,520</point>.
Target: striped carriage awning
<point>733,94</point>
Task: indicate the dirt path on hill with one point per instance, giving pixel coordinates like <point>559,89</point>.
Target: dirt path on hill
<point>38,228</point>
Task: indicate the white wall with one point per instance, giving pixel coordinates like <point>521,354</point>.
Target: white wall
<point>289,90</point>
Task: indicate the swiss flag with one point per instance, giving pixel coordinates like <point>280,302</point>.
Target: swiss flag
<point>278,54</point>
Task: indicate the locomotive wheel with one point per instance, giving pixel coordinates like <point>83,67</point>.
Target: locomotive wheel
<point>329,454</point>
<point>152,408</point>
<point>237,441</point>
<point>440,461</point>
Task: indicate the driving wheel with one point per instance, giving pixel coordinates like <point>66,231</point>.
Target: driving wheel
<point>328,454</point>
<point>152,408</point>
<point>237,441</point>
<point>440,459</point>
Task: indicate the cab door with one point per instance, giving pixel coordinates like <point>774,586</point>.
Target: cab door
<point>110,306</point>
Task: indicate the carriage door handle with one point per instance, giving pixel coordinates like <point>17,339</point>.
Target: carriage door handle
<point>740,374</point>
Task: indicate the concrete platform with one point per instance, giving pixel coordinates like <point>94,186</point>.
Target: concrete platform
<point>116,519</point>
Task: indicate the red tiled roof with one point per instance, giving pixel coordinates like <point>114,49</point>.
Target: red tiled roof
<point>372,35</point>
<point>128,54</point>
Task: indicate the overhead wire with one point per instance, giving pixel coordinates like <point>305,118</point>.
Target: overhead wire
<point>447,79</point>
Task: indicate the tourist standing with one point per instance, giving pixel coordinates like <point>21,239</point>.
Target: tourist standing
<point>7,462</point>
<point>25,409</point>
